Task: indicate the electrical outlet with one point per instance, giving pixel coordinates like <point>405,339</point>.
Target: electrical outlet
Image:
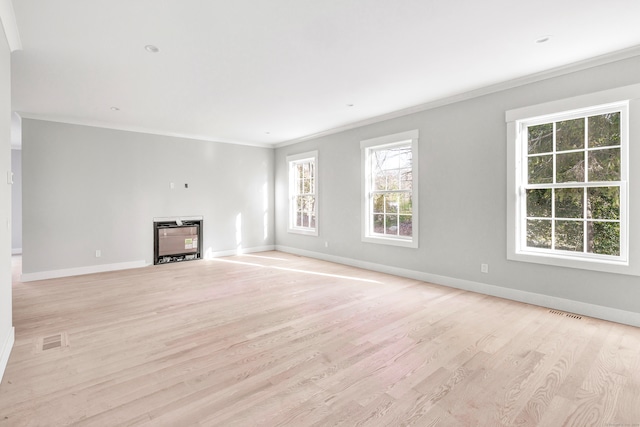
<point>326,244</point>
<point>98,253</point>
<point>484,268</point>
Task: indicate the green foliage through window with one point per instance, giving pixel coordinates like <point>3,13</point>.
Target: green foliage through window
<point>573,187</point>
<point>392,186</point>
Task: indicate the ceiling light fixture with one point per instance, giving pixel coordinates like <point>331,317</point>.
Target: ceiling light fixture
<point>115,109</point>
<point>349,105</point>
<point>151,48</point>
<point>543,39</point>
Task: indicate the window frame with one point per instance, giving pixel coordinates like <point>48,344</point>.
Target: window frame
<point>408,138</point>
<point>623,99</point>
<point>292,162</point>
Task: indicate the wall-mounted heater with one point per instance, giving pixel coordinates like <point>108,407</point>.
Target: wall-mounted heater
<point>177,239</point>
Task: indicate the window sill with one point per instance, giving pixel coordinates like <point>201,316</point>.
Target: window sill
<point>306,232</point>
<point>391,241</point>
<point>606,266</point>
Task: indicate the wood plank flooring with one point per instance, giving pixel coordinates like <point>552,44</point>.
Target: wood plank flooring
<point>275,339</point>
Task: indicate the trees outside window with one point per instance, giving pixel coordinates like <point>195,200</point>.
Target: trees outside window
<point>389,193</point>
<point>573,184</point>
<point>303,191</point>
<point>572,180</point>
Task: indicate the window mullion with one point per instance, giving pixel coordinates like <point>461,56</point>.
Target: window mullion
<point>553,219</point>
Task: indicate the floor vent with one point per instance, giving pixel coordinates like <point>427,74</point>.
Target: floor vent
<point>562,313</point>
<point>54,341</point>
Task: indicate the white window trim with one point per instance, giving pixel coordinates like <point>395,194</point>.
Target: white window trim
<point>291,161</point>
<point>389,141</point>
<point>630,236</point>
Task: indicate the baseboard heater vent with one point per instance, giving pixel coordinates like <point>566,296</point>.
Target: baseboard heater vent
<point>562,313</point>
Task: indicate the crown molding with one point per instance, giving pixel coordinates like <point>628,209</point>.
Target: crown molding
<point>618,55</point>
<point>8,18</point>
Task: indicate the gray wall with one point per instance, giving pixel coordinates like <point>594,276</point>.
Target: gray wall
<point>16,201</point>
<point>6,328</point>
<point>462,200</point>
<point>87,188</point>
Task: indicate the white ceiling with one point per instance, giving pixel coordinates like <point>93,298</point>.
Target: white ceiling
<point>268,71</point>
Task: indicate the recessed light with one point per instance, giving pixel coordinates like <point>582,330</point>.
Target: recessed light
<point>151,48</point>
<point>349,105</point>
<point>115,109</point>
<point>268,133</point>
<point>543,39</point>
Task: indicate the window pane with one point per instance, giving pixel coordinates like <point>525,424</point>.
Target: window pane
<point>299,216</point>
<point>604,165</point>
<point>405,204</point>
<point>570,135</point>
<point>604,130</point>
<point>303,211</point>
<point>391,224</point>
<point>312,179</point>
<point>569,203</point>
<point>391,203</point>
<point>378,203</point>
<point>406,225</point>
<point>309,211</point>
<point>603,202</point>
<point>570,167</point>
<point>539,203</point>
<point>405,157</point>
<point>603,238</point>
<point>378,223</point>
<point>379,180</point>
<point>539,233</point>
<point>386,159</point>
<point>393,180</point>
<point>570,236</point>
<point>310,203</point>
<point>541,169</point>
<point>306,186</point>
<point>406,179</point>
<point>540,138</point>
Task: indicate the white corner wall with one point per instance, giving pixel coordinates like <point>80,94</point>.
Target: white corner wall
<point>6,325</point>
<point>16,201</point>
<point>462,209</point>
<point>88,189</point>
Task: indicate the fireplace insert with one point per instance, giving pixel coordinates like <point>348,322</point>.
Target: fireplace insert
<point>177,240</point>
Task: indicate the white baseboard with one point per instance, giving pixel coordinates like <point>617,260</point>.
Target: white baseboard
<point>5,350</point>
<point>577,307</point>
<point>210,254</point>
<point>54,274</point>
<point>16,251</point>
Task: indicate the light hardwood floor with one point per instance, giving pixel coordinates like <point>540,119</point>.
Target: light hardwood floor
<point>275,339</point>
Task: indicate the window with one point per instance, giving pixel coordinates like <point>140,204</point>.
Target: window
<point>568,201</point>
<point>303,193</point>
<point>574,185</point>
<point>390,188</point>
